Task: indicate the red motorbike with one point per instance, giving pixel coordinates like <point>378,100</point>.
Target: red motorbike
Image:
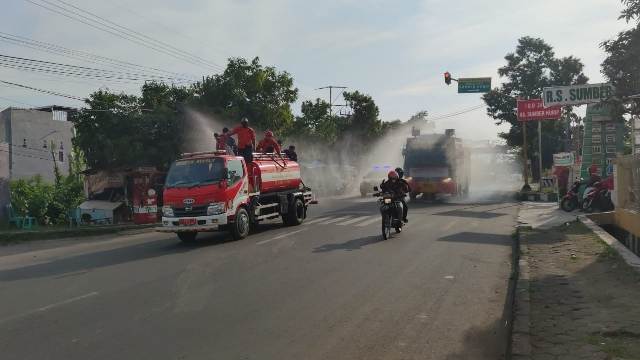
<point>598,197</point>
<point>571,200</point>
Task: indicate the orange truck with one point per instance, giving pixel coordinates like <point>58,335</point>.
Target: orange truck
<point>437,165</point>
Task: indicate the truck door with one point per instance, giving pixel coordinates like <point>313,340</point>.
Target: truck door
<point>237,191</point>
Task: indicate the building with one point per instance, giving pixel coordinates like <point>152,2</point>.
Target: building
<point>30,139</point>
<point>603,140</point>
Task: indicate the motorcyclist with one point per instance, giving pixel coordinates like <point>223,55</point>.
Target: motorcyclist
<point>405,208</point>
<point>395,187</point>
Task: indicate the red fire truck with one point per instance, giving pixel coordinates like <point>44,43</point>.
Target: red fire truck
<point>211,191</point>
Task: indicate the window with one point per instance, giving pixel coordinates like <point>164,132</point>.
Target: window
<point>61,156</point>
<point>597,149</point>
<point>596,139</point>
<point>610,127</point>
<point>611,149</point>
<point>611,139</point>
<point>596,129</point>
<point>235,171</point>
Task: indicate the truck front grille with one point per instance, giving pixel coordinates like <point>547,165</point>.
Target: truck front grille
<point>195,211</point>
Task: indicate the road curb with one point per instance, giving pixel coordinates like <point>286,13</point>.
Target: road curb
<point>520,347</point>
<point>627,255</point>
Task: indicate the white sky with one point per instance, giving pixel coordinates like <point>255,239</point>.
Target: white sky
<point>394,51</point>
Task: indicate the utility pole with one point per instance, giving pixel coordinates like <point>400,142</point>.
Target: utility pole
<point>540,153</point>
<point>331,87</point>
<point>526,186</point>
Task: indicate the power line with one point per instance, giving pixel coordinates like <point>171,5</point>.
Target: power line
<point>84,56</point>
<point>457,113</point>
<point>83,71</point>
<point>50,92</point>
<point>126,35</point>
<point>138,33</point>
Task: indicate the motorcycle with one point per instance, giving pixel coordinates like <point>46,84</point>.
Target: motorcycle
<point>597,197</point>
<point>571,200</point>
<point>389,209</point>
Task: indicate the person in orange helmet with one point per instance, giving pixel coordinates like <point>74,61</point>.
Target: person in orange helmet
<point>269,144</point>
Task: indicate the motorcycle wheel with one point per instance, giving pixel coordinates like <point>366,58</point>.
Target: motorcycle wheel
<point>386,227</point>
<point>587,205</point>
<point>398,229</point>
<point>569,205</point>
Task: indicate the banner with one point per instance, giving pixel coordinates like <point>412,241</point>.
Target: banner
<point>563,159</point>
<point>532,110</point>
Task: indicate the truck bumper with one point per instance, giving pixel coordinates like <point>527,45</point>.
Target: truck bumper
<point>202,223</point>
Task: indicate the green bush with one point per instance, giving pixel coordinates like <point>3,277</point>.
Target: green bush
<point>48,203</point>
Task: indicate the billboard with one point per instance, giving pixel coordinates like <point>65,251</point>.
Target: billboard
<point>532,110</point>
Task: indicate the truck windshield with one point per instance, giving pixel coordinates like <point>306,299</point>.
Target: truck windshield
<point>189,173</point>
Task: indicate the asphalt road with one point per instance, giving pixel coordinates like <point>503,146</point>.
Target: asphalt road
<point>329,289</point>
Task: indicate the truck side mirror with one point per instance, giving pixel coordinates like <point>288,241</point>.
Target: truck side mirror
<point>225,173</point>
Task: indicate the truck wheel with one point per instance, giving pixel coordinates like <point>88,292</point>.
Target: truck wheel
<point>296,213</point>
<point>187,237</point>
<point>240,228</point>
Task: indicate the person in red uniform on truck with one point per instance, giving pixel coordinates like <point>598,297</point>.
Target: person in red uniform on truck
<point>269,144</point>
<point>246,139</point>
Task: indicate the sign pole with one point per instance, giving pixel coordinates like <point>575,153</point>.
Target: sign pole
<point>540,150</point>
<point>526,186</point>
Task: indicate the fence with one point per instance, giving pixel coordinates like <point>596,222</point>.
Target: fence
<point>627,182</point>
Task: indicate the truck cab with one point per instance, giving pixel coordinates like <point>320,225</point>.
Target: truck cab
<point>212,191</point>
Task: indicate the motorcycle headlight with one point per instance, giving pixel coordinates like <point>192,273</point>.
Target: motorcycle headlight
<point>387,201</point>
<point>167,211</point>
<point>215,208</point>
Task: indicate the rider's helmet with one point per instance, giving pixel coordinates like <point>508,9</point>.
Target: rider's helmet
<point>392,175</point>
<point>268,134</point>
<point>400,172</point>
<point>244,122</point>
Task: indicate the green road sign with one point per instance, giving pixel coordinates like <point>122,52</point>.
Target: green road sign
<point>474,85</point>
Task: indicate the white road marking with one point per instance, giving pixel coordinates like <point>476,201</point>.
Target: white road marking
<point>370,221</point>
<point>50,306</point>
<point>330,221</point>
<point>450,277</point>
<point>279,237</point>
<point>355,220</point>
<point>316,220</point>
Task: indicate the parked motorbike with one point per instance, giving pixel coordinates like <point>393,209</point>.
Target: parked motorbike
<point>597,197</point>
<point>571,200</point>
<point>391,210</point>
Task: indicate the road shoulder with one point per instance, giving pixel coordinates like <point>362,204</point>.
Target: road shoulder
<point>582,298</point>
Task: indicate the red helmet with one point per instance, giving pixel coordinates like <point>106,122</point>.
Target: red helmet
<point>393,175</point>
<point>268,133</point>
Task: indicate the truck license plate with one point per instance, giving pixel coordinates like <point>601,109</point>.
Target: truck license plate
<point>187,222</point>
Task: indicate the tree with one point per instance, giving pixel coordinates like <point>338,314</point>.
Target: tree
<point>248,89</point>
<point>530,68</point>
<point>621,66</point>
<point>119,130</point>
<point>316,123</point>
<point>632,11</point>
<point>363,123</point>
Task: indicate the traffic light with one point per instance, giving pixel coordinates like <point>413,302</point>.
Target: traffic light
<point>447,78</point>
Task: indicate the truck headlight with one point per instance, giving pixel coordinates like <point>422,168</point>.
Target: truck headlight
<point>215,208</point>
<point>167,211</point>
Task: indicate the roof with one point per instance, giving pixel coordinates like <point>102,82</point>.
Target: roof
<point>100,204</point>
<point>55,108</point>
